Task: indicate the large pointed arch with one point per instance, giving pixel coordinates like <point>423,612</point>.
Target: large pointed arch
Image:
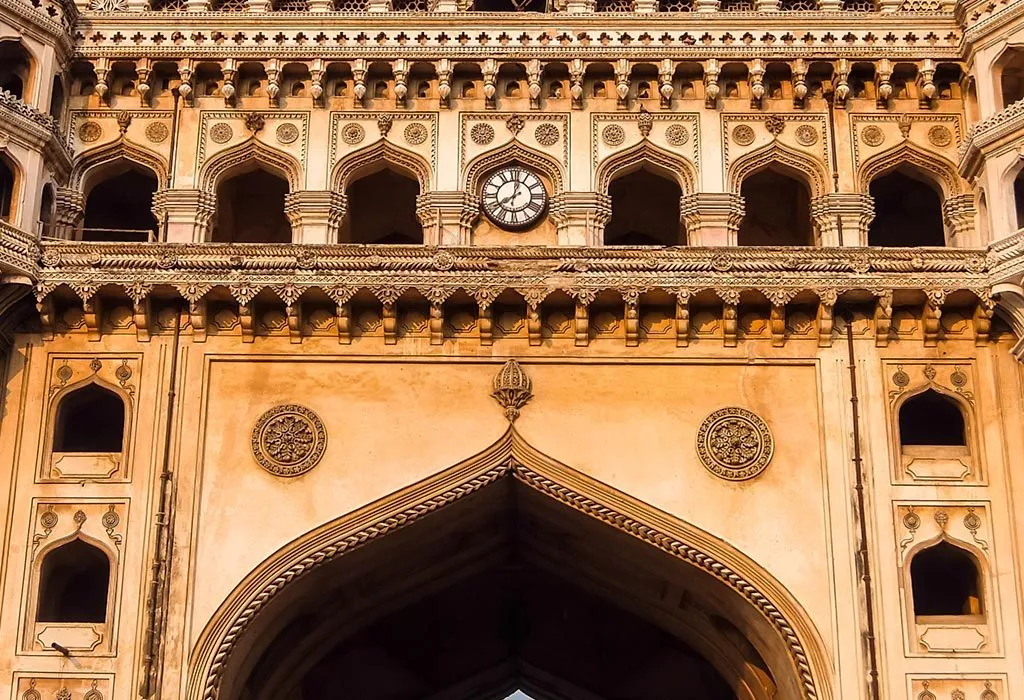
<point>121,149</point>
<point>381,154</point>
<point>667,163</point>
<point>228,638</point>
<point>938,169</point>
<point>248,152</point>
<point>513,152</point>
<point>790,160</point>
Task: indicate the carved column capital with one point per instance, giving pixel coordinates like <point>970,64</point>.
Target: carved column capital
<point>315,215</point>
<point>853,212</point>
<point>69,208</point>
<point>447,216</point>
<point>580,217</point>
<point>184,214</point>
<point>958,213</point>
<point>711,218</point>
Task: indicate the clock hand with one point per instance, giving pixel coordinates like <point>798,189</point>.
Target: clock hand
<point>512,196</point>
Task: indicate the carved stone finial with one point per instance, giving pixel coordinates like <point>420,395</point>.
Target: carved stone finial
<point>904,124</point>
<point>512,389</point>
<point>515,124</point>
<point>645,122</point>
<point>384,124</point>
<point>255,122</point>
<point>774,124</point>
<point>124,120</point>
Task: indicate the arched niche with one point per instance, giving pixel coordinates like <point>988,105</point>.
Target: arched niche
<point>10,183</point>
<point>908,210</point>
<point>246,157</point>
<point>16,70</point>
<point>777,206</point>
<point>946,582</point>
<point>251,206</point>
<point>934,436</point>
<point>782,158</point>
<point>263,634</point>
<point>119,203</point>
<point>645,209</point>
<point>382,204</point>
<point>1008,75</point>
<point>89,432</point>
<point>379,155</point>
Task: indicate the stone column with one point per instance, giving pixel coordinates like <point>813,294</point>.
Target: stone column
<point>184,215</point>
<point>580,217</point>
<point>711,218</point>
<point>69,209</point>
<point>853,212</point>
<point>315,215</point>
<point>958,214</point>
<point>447,217</point>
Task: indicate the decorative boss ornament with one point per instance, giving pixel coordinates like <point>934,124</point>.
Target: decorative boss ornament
<point>735,444</point>
<point>289,440</point>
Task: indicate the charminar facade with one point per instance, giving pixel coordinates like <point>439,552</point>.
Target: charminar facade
<point>431,350</point>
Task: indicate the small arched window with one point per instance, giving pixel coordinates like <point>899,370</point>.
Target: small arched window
<point>74,582</point>
<point>929,418</point>
<point>90,419</point>
<point>945,581</point>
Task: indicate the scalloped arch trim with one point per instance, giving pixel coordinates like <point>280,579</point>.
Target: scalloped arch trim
<point>513,151</point>
<point>933,166</point>
<point>250,150</point>
<point>511,456</point>
<point>634,157</point>
<point>383,152</point>
<point>776,153</point>
<point>120,149</point>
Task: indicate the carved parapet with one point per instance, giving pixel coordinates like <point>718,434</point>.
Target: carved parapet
<point>843,218</point>
<point>580,217</point>
<point>69,208</point>
<point>1000,128</point>
<point>315,215</point>
<point>711,218</point>
<point>19,252</point>
<point>958,214</point>
<point>184,215</point>
<point>447,217</point>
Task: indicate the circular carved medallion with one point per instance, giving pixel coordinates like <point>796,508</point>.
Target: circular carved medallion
<point>415,133</point>
<point>872,136</point>
<point>157,132</point>
<point>89,132</point>
<point>743,135</point>
<point>676,134</point>
<point>110,519</point>
<point>547,134</point>
<point>514,197</point>
<point>482,134</point>
<point>352,133</point>
<point>806,135</point>
<point>287,133</point>
<point>940,135</point>
<point>613,135</point>
<point>221,132</point>
<point>289,440</point>
<point>735,444</point>
<point>48,519</point>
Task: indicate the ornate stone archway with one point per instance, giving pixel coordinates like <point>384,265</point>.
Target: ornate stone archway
<point>794,651</point>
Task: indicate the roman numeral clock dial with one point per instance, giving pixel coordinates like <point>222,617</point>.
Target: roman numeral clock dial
<point>514,198</point>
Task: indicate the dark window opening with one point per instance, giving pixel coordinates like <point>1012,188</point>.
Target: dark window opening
<point>250,209</point>
<point>14,68</point>
<point>1011,79</point>
<point>6,190</point>
<point>929,418</point>
<point>121,209</point>
<point>90,419</point>
<point>46,211</point>
<point>778,211</point>
<point>57,99</point>
<point>645,211</point>
<point>1018,198</point>
<point>945,581</point>
<point>382,209</point>
<point>510,5</point>
<point>74,581</point>
<point>908,213</point>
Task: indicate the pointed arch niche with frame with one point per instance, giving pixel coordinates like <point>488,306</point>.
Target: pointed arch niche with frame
<point>483,548</point>
<point>949,594</point>
<point>933,422</point>
<point>73,576</point>
<point>88,426</point>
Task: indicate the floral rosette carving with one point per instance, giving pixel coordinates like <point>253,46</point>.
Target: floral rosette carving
<point>289,440</point>
<point>735,444</point>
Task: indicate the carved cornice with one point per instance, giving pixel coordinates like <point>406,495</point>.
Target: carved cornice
<point>1005,124</point>
<point>22,120</point>
<point>50,18</point>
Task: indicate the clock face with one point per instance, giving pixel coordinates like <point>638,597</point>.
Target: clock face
<point>514,197</point>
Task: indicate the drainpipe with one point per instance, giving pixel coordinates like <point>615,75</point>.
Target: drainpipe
<point>161,542</point>
<point>862,550</point>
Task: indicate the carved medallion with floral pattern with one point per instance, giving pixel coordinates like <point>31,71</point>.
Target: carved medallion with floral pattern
<point>221,132</point>
<point>677,135</point>
<point>743,135</point>
<point>157,132</point>
<point>289,440</point>
<point>613,135</point>
<point>735,444</point>
<point>940,136</point>
<point>415,133</point>
<point>89,132</point>
<point>872,136</point>
<point>482,134</point>
<point>287,133</point>
<point>352,133</point>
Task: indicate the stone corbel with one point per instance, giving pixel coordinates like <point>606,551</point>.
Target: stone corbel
<point>711,72</point>
<point>316,83</point>
<point>185,88</point>
<point>666,72</point>
<point>711,218</point>
<point>228,89</point>
<point>842,90</point>
<point>756,83</point>
<point>622,72</point>
<point>69,210</point>
<point>926,83</point>
<point>400,68</point>
<point>842,218</point>
<point>359,80</point>
<point>883,79</point>
<point>580,217</point>
<point>799,82</point>
<point>682,318</point>
<point>489,68</point>
<point>101,67</point>
<point>142,73</point>
<point>273,69</point>
<point>447,217</point>
<point>444,83</point>
<point>533,72</point>
<point>185,215</point>
<point>958,213</point>
<point>931,316</point>
<point>315,215</point>
<point>883,318</point>
<point>576,72</point>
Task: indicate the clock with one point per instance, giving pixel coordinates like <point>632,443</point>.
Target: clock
<point>514,197</point>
